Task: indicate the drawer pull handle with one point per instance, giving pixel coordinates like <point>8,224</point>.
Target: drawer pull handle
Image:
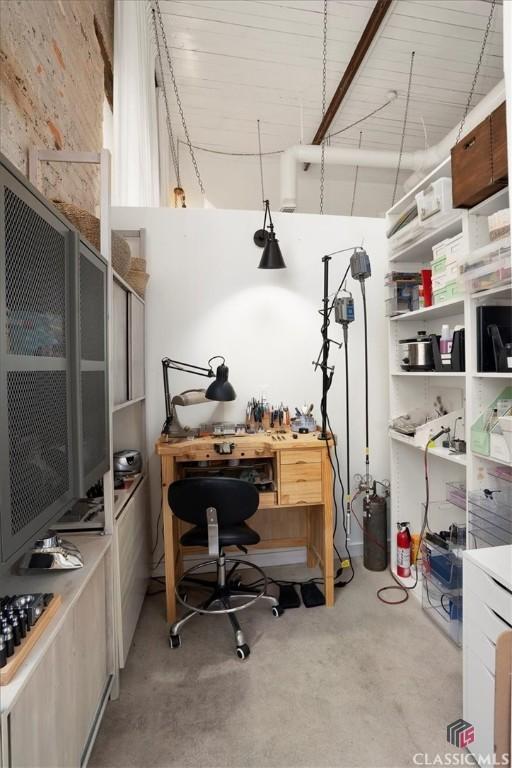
<point>500,617</point>
<point>501,586</point>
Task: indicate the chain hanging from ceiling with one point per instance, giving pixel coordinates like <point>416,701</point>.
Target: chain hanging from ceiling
<point>324,101</point>
<point>156,8</point>
<point>477,71</point>
<point>404,127</point>
<point>172,142</point>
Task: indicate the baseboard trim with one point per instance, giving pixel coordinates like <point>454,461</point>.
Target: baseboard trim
<point>266,558</point>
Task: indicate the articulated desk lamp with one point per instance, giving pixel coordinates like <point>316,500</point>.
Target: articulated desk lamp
<point>220,390</point>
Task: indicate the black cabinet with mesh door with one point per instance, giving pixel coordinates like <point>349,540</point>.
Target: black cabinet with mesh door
<point>52,362</point>
<point>91,366</point>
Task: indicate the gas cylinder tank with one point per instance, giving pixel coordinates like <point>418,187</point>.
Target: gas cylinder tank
<point>375,533</point>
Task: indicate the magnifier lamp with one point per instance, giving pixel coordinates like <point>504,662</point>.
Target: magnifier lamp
<point>220,390</point>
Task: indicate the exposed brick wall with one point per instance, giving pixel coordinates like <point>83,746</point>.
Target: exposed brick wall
<point>52,87</point>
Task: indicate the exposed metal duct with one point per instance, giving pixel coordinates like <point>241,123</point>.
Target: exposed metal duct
<point>420,161</point>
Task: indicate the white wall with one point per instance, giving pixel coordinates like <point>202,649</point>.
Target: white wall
<point>135,161</point>
<point>206,297</point>
<point>234,182</point>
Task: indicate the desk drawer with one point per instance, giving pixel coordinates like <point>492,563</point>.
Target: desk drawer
<point>301,473</point>
<point>306,456</point>
<point>490,592</point>
<point>301,492</point>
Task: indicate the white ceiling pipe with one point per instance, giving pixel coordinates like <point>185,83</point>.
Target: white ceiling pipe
<point>419,161</point>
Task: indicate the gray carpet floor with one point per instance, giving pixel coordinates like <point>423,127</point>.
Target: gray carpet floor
<point>361,684</point>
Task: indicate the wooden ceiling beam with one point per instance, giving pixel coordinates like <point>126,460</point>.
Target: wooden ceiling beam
<point>366,39</point>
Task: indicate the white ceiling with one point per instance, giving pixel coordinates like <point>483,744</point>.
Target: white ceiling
<point>240,60</point>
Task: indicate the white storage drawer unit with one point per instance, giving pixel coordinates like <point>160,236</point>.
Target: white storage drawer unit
<point>487,612</point>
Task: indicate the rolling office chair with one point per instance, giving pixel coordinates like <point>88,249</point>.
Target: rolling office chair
<point>217,507</point>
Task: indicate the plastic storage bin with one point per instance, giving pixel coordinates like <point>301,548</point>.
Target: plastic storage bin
<point>406,236</point>
<point>443,567</point>
<point>499,224</point>
<point>488,267</point>
<point>404,298</point>
<point>435,202</point>
<point>444,607</point>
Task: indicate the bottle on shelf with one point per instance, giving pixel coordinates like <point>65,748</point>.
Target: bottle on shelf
<point>445,343</point>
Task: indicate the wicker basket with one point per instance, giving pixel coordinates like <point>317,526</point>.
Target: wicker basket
<point>138,281</point>
<point>138,264</point>
<point>89,226</point>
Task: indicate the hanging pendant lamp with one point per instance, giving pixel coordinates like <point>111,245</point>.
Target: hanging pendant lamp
<point>271,258</point>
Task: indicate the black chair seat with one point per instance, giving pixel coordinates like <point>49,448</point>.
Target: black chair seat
<point>228,536</point>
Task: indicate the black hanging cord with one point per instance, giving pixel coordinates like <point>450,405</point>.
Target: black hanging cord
<point>265,202</point>
<point>367,422</point>
<point>404,128</point>
<point>349,556</point>
<point>347,423</point>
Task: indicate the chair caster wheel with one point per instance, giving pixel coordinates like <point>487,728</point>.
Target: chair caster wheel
<point>277,611</point>
<point>243,651</point>
<point>174,641</point>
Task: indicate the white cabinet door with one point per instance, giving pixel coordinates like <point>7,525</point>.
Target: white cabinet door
<point>134,560</point>
<point>120,344</point>
<point>136,348</point>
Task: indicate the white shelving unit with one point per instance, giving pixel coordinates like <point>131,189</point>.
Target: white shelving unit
<point>471,390</point>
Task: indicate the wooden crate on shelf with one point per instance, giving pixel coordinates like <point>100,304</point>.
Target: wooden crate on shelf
<point>479,161</point>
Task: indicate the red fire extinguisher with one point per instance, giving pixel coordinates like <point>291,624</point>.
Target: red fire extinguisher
<point>403,550</point>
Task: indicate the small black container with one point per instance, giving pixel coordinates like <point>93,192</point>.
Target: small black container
<point>457,356</point>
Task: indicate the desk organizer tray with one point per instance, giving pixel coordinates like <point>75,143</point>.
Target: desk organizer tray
<point>481,435</point>
<point>492,511</point>
<point>27,643</point>
<point>456,494</point>
<point>485,533</point>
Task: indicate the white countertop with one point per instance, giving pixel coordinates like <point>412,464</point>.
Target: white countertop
<point>496,561</point>
<point>69,585</point>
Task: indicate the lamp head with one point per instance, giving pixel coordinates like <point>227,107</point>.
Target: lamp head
<point>272,258</point>
<point>220,390</point>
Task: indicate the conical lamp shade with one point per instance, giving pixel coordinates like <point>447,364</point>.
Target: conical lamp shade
<point>272,258</point>
<point>220,389</point>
